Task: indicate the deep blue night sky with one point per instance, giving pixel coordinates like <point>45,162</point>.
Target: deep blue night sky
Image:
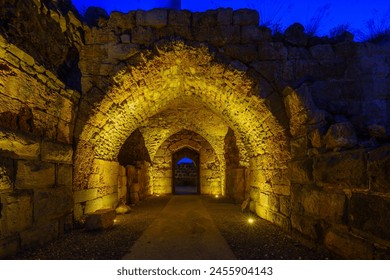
<point>335,12</point>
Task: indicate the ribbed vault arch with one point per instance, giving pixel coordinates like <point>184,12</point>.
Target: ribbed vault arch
<point>180,71</point>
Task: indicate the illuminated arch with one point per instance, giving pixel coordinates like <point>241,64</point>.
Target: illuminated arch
<point>180,71</point>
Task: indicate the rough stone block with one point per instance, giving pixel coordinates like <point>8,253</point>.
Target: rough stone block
<point>272,51</point>
<point>122,171</point>
<point>64,175</point>
<point>100,220</point>
<point>264,200</point>
<point>274,203</point>
<point>257,178</point>
<point>285,205</point>
<point>6,173</point>
<point>371,214</point>
<point>322,52</point>
<point>244,53</point>
<point>299,147</point>
<point>122,51</point>
<point>348,245</point>
<point>225,16</point>
<point>304,225</point>
<point>142,35</point>
<point>55,152</point>
<point>246,17</point>
<point>78,212</point>
<point>280,220</point>
<point>379,169</point>
<point>18,211</point>
<point>301,171</point>
<point>316,203</point>
<point>340,135</point>
<point>34,175</point>
<point>93,205</point>
<point>106,173</point>
<point>39,235</point>
<point>52,203</point>
<point>218,35</point>
<point>179,18</point>
<point>110,201</point>
<point>342,170</point>
<point>156,18</point>
<point>121,20</point>
<point>85,195</point>
<point>207,19</point>
<point>253,33</point>
<point>16,146</point>
<point>8,247</point>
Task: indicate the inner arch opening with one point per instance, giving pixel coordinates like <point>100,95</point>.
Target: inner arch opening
<point>186,172</point>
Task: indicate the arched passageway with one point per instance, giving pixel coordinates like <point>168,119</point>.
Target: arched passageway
<point>181,88</point>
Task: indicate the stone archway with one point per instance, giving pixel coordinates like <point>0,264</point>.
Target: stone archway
<point>178,75</point>
<point>186,180</point>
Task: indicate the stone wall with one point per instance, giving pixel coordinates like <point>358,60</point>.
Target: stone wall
<point>335,179</point>
<point>37,115</point>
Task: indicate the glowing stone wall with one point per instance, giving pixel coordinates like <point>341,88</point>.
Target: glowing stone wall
<point>296,126</point>
<point>37,115</point>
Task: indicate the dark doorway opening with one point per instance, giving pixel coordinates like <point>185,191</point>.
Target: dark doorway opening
<point>185,164</point>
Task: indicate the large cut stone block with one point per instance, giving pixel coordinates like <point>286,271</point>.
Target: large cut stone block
<point>342,170</point>
<point>107,173</point>
<point>155,18</point>
<point>301,171</point>
<point>18,147</point>
<point>64,175</point>
<point>110,201</point>
<point>370,213</point>
<point>85,195</point>
<point>52,203</point>
<point>101,219</point>
<point>246,17</point>
<point>93,205</point>
<point>39,235</point>
<point>304,225</point>
<point>319,204</point>
<point>348,245</point>
<point>18,211</point>
<point>55,152</point>
<point>379,169</point>
<point>34,175</point>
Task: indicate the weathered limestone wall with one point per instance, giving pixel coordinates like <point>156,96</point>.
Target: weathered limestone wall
<point>37,115</point>
<point>329,97</point>
<point>102,189</point>
<point>49,31</point>
<point>340,189</point>
<point>211,168</point>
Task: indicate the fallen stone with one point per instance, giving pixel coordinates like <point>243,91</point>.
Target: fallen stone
<point>100,219</point>
<point>123,209</point>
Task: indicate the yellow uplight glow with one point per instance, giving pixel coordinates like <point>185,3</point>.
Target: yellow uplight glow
<point>251,220</point>
<point>216,196</point>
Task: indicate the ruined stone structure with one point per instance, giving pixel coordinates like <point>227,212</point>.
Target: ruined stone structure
<point>91,117</point>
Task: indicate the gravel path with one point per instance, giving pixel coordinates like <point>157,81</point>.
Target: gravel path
<point>261,240</point>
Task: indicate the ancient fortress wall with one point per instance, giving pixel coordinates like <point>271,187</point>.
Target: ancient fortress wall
<point>311,153</point>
